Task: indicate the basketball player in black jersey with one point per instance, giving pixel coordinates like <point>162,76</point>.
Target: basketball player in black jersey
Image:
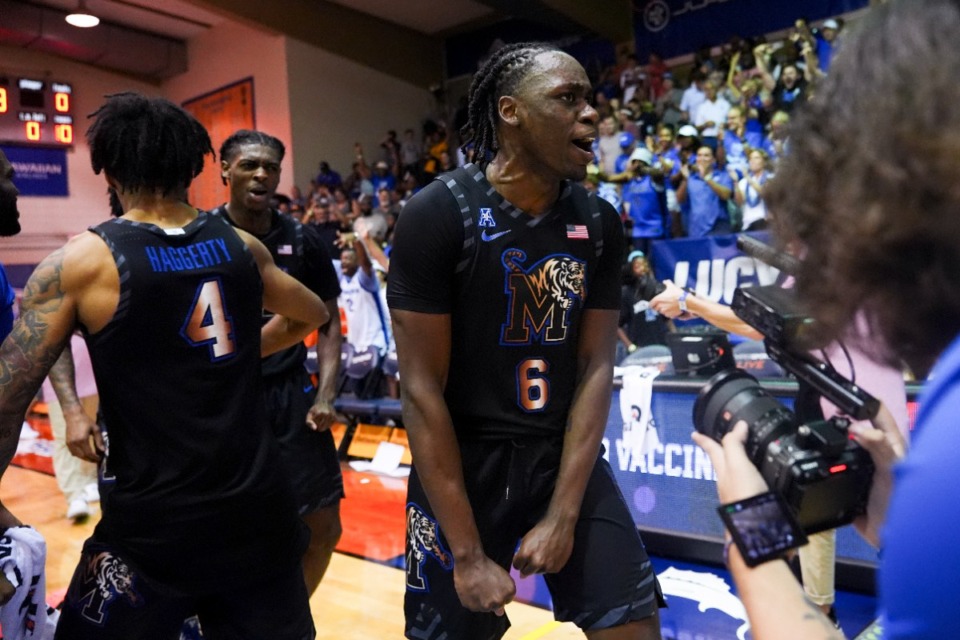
<point>504,289</point>
<point>197,518</point>
<point>299,414</point>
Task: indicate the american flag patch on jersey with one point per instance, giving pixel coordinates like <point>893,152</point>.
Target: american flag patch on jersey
<point>285,250</point>
<point>577,232</point>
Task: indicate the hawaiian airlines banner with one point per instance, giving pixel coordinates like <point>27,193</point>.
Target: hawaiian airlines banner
<point>676,27</point>
<point>38,171</point>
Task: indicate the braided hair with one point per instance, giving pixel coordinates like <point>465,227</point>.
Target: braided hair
<point>228,150</point>
<point>499,76</point>
<point>147,143</point>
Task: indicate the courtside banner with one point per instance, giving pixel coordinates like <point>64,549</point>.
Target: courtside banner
<point>39,172</point>
<point>669,482</point>
<point>713,266</point>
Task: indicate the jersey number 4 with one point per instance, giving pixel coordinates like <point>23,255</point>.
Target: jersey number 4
<point>207,322</point>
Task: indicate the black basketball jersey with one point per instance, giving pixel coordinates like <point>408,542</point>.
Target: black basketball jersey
<point>298,251</point>
<point>196,497</point>
<point>515,287</point>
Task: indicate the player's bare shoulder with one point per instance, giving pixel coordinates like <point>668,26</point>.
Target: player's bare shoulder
<point>88,276</point>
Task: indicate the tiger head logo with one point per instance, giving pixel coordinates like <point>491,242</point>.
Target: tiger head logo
<point>541,297</point>
<point>113,578</point>
<point>423,541</point>
<point>105,580</point>
<point>564,279</point>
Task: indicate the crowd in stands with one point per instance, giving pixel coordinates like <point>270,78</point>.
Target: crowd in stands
<point>680,152</point>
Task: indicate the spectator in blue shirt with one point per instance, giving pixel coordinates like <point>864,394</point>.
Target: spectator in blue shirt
<point>645,200</point>
<point>327,177</point>
<point>706,190</point>
<point>627,145</point>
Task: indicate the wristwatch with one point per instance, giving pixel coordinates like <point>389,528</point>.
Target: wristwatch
<point>682,301</point>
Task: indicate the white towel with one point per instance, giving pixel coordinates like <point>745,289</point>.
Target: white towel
<point>23,555</point>
<point>639,428</point>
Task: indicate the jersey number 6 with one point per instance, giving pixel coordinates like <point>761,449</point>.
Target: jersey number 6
<point>533,388</point>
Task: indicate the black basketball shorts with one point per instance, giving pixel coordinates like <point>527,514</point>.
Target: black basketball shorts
<point>608,580</point>
<point>309,457</point>
<point>109,599</point>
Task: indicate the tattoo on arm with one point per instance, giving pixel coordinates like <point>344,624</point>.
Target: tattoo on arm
<point>815,615</point>
<point>63,378</point>
<point>28,352</point>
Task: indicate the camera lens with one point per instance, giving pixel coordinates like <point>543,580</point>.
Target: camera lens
<point>733,395</point>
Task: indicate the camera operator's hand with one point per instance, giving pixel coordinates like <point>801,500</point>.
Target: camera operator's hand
<point>886,447</point>
<point>737,477</point>
<point>667,302</point>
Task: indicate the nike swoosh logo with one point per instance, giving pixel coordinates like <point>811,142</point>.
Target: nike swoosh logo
<point>487,237</point>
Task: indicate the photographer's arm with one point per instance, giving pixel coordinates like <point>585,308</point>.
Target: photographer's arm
<point>719,315</point>
<point>774,600</point>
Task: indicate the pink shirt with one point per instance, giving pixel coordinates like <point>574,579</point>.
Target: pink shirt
<point>882,382</point>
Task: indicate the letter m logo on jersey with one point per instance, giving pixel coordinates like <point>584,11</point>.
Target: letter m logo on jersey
<point>541,297</point>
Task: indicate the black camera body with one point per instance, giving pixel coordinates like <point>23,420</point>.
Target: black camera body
<point>822,475</point>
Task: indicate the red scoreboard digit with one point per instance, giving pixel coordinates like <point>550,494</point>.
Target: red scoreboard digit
<point>35,112</point>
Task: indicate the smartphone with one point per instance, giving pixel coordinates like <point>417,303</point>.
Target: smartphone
<point>762,527</point>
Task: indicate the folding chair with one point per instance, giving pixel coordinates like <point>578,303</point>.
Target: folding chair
<point>360,373</point>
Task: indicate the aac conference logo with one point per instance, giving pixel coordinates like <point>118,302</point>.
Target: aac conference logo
<point>656,15</point>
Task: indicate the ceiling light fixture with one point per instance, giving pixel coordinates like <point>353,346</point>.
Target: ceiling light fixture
<point>82,17</point>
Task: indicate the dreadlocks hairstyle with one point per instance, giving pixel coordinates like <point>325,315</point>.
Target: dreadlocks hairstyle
<point>499,76</point>
<point>147,143</point>
<point>228,150</point>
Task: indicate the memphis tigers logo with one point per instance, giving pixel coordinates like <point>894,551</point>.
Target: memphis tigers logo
<point>423,542</point>
<point>107,578</point>
<point>541,297</point>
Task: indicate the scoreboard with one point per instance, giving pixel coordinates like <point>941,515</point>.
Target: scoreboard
<point>36,112</point>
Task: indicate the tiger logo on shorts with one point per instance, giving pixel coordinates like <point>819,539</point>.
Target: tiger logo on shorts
<point>108,578</point>
<point>423,541</point>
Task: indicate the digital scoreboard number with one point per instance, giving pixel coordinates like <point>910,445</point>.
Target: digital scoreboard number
<point>36,112</point>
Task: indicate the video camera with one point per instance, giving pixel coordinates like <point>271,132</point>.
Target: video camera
<point>822,475</point>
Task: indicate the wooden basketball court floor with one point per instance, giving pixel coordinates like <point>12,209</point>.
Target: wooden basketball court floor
<point>361,597</point>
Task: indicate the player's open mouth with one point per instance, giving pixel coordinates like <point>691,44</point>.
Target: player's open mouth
<point>586,144</point>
